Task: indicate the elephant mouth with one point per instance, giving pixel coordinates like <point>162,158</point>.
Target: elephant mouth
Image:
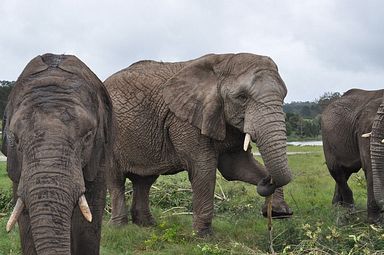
<point>20,205</point>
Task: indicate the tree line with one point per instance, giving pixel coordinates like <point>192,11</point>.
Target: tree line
<point>302,118</point>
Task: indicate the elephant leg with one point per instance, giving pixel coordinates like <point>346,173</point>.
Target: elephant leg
<point>117,191</point>
<point>203,188</point>
<point>337,198</point>
<point>141,214</point>
<point>372,207</point>
<point>27,245</point>
<point>25,231</point>
<point>85,236</point>
<point>343,194</point>
<point>242,166</point>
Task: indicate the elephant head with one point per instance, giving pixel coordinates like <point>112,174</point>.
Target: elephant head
<point>241,90</point>
<point>56,139</point>
<point>377,155</point>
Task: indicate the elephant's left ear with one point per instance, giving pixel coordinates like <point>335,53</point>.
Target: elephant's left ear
<point>102,148</point>
<point>192,94</point>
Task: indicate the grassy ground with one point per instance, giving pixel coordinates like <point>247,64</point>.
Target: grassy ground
<point>316,227</point>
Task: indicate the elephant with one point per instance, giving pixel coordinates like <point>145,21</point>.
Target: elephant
<point>194,116</point>
<point>345,125</point>
<point>377,156</point>
<point>57,136</point>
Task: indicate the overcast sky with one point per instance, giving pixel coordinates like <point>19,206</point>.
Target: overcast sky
<point>319,45</point>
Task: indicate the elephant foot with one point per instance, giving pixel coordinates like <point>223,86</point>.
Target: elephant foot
<point>374,216</point>
<point>206,232</point>
<point>118,220</point>
<point>376,219</point>
<point>280,210</point>
<point>203,229</point>
<point>349,206</point>
<point>143,219</point>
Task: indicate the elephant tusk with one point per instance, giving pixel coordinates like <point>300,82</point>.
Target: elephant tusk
<point>366,135</point>
<point>382,141</point>
<point>247,139</point>
<point>15,214</point>
<point>84,208</point>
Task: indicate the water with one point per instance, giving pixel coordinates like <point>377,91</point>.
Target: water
<point>306,143</point>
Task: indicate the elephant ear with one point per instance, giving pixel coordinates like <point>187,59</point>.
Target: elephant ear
<point>9,149</point>
<point>102,147</point>
<point>192,95</point>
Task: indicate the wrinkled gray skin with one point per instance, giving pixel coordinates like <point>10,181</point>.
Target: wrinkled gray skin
<point>193,116</point>
<point>377,156</point>
<point>342,124</point>
<point>57,133</point>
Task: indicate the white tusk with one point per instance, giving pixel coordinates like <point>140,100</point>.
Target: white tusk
<point>15,214</point>
<point>382,141</point>
<point>247,139</point>
<point>84,208</point>
<point>366,135</point>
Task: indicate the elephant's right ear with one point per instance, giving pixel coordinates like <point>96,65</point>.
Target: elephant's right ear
<point>8,148</point>
<point>3,134</point>
<point>192,94</point>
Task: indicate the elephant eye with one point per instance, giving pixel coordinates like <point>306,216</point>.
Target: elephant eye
<point>87,137</point>
<point>241,97</point>
<point>12,139</point>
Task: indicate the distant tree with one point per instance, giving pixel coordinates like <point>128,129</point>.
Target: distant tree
<point>327,98</point>
<point>305,109</point>
<point>5,89</point>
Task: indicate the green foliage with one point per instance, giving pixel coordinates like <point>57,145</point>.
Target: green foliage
<point>303,118</point>
<point>316,227</point>
<point>5,190</point>
<point>307,110</point>
<point>5,89</point>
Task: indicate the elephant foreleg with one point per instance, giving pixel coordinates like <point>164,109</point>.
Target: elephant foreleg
<point>116,188</point>
<point>372,207</point>
<point>242,166</point>
<point>141,214</point>
<point>27,245</point>
<point>203,181</point>
<point>343,194</point>
<point>85,236</point>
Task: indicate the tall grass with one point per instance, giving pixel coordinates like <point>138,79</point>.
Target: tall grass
<point>315,228</point>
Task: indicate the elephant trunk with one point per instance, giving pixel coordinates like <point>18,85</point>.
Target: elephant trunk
<point>377,156</point>
<point>50,211</point>
<point>266,126</point>
<point>50,186</point>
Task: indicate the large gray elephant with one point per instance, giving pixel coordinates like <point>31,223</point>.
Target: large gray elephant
<point>346,125</point>
<point>194,116</point>
<point>57,135</point>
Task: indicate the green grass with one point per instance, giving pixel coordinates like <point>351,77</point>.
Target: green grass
<point>316,227</point>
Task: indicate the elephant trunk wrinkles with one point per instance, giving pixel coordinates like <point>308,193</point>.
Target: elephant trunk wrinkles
<point>377,156</point>
<point>266,126</point>
<point>50,192</point>
<point>50,213</point>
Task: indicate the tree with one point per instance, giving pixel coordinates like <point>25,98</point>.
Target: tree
<point>327,98</point>
<point>5,89</point>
